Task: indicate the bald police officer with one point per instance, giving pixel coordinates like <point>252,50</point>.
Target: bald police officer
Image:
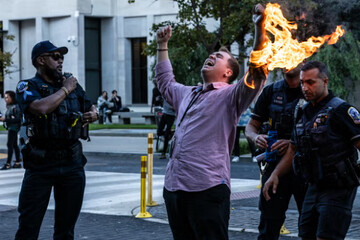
<point>325,139</point>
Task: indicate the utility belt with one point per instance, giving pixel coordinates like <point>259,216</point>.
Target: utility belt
<point>34,154</point>
<point>53,126</point>
<point>340,174</point>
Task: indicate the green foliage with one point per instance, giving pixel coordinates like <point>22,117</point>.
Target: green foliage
<point>5,57</point>
<point>343,61</point>
<point>192,42</point>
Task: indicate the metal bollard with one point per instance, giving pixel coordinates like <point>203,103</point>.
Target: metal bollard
<point>259,186</point>
<point>143,213</point>
<point>150,202</point>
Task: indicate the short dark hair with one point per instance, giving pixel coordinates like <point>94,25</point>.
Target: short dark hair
<point>12,96</point>
<point>113,91</point>
<point>233,63</point>
<point>323,71</point>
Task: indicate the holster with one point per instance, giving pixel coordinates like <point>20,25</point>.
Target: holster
<point>340,175</point>
<point>33,155</point>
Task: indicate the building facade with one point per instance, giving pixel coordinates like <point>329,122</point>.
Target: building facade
<point>105,39</point>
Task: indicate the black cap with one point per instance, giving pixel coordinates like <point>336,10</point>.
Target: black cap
<point>46,47</point>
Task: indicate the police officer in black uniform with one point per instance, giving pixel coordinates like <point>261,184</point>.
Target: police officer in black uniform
<point>57,113</point>
<point>276,105</point>
<point>323,147</point>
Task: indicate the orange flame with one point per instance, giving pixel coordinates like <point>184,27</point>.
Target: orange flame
<point>284,51</point>
<point>252,85</point>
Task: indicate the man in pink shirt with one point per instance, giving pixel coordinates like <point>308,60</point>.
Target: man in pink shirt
<point>197,180</point>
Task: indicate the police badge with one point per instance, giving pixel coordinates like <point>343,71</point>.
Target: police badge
<point>354,114</point>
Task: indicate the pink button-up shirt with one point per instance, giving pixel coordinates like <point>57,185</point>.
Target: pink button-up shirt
<point>204,140</point>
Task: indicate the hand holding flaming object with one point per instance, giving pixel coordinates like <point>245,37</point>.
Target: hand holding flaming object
<point>284,51</point>
<point>260,37</point>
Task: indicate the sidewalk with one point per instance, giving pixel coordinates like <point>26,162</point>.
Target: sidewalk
<point>244,216</point>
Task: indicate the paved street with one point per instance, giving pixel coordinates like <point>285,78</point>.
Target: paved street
<point>112,197</point>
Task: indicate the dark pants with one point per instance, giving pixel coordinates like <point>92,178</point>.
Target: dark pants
<point>236,150</point>
<point>12,144</point>
<point>273,211</point>
<point>326,212</point>
<point>66,176</point>
<point>165,125</point>
<point>199,215</point>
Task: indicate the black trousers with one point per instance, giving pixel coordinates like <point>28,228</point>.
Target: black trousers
<point>66,177</point>
<point>12,144</point>
<point>165,125</point>
<point>236,150</point>
<point>199,215</point>
<point>273,211</point>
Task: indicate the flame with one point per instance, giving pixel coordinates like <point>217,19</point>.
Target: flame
<point>252,85</point>
<point>284,51</point>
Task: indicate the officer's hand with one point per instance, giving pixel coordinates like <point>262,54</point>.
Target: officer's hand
<point>163,34</point>
<point>281,145</point>
<point>271,184</point>
<point>89,117</point>
<point>261,141</point>
<point>258,14</point>
<point>70,83</point>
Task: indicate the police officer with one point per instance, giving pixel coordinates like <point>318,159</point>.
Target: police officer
<point>56,111</point>
<point>276,105</point>
<point>324,137</point>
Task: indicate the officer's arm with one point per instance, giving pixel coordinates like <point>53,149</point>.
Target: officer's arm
<point>283,167</point>
<point>251,132</point>
<point>357,144</point>
<point>50,103</point>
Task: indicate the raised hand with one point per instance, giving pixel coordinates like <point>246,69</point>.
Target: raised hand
<point>163,34</point>
<point>258,14</point>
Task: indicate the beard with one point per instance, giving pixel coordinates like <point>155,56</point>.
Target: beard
<point>54,74</point>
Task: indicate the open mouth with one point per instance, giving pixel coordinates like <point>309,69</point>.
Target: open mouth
<point>209,62</point>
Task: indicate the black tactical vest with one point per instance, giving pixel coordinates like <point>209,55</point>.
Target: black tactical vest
<point>281,111</point>
<point>320,150</point>
<point>64,123</point>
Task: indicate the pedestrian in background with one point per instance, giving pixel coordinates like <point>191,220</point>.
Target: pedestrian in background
<point>197,178</point>
<point>116,100</point>
<point>12,122</point>
<point>104,106</point>
<point>57,112</point>
<point>323,152</point>
<point>244,119</point>
<point>166,122</point>
<point>276,105</point>
<point>157,99</point>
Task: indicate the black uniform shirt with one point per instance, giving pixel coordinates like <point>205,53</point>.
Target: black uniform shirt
<point>345,119</point>
<point>261,110</point>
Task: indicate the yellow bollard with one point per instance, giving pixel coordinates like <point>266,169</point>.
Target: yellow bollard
<point>284,230</point>
<point>150,202</point>
<point>143,213</point>
<point>259,186</point>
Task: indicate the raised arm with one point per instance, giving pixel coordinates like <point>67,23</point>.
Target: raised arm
<point>260,33</point>
<point>162,38</point>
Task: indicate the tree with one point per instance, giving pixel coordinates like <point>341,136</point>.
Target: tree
<point>320,17</point>
<point>192,42</point>
<point>5,58</point>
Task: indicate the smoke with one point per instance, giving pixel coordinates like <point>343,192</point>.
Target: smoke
<point>319,17</point>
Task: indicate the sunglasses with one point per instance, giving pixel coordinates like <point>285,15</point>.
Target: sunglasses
<point>55,56</point>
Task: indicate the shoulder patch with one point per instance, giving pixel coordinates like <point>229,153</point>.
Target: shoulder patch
<point>354,114</point>
<point>22,86</point>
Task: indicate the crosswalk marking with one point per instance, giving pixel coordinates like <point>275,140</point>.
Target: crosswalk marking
<point>105,192</point>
